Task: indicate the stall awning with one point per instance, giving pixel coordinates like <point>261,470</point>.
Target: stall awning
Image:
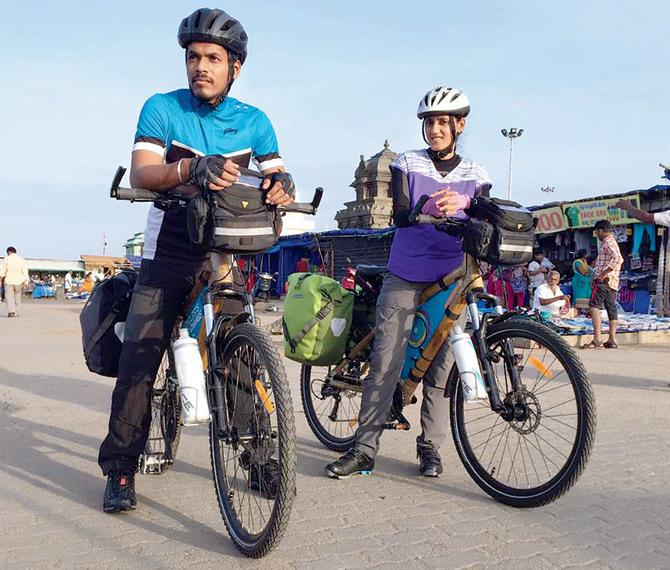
<point>95,261</point>
<point>54,265</point>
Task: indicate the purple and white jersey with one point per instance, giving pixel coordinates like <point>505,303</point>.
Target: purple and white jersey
<point>421,253</point>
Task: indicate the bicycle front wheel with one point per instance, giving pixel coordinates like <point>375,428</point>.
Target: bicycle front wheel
<point>533,455</point>
<point>253,462</point>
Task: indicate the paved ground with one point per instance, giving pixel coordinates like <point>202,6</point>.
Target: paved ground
<point>53,415</point>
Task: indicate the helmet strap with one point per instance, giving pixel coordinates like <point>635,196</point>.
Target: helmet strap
<point>232,58</point>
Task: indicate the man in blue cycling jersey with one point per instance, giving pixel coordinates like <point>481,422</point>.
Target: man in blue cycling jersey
<point>198,136</point>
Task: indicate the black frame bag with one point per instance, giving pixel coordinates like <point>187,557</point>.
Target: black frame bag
<point>500,232</point>
<point>107,306</point>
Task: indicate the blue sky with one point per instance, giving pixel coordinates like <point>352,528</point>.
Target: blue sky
<point>588,81</point>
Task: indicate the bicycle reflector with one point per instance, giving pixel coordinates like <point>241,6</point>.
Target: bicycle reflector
<point>265,397</point>
<point>540,366</point>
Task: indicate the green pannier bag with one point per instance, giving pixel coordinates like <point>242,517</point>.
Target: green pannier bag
<point>317,319</point>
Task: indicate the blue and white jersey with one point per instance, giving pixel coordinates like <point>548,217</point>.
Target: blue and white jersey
<point>177,125</point>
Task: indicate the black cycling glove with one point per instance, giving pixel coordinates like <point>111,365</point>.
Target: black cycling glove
<point>206,169</point>
<point>286,181</point>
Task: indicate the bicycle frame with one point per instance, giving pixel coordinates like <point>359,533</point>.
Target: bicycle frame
<point>205,320</point>
<point>469,289</point>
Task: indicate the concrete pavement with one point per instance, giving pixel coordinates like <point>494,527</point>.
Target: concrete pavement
<point>53,415</point>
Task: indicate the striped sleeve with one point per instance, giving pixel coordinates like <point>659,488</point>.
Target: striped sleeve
<point>265,147</point>
<point>483,179</point>
<point>152,127</point>
<point>400,163</point>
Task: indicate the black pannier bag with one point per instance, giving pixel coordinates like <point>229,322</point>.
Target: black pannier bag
<point>500,232</point>
<point>234,220</point>
<point>102,321</point>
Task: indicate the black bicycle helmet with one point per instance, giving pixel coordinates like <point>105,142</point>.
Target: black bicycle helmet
<point>214,26</point>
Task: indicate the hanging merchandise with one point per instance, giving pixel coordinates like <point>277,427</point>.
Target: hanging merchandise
<point>620,234</point>
<point>638,235</point>
<point>583,240</point>
<point>635,261</point>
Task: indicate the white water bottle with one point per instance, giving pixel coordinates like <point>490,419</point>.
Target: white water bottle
<point>472,383</point>
<point>191,377</point>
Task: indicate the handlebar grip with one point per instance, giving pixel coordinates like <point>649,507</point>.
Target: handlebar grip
<point>318,194</point>
<point>135,194</point>
<point>428,219</point>
<point>415,215</point>
<point>306,207</point>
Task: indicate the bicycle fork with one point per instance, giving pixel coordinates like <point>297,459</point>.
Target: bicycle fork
<point>486,357</point>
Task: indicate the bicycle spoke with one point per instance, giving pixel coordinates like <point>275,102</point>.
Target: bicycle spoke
<point>541,412</point>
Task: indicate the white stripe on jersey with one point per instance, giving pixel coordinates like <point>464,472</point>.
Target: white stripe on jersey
<point>151,231</point>
<point>151,147</point>
<point>182,145</point>
<point>272,163</point>
<point>238,152</point>
<point>418,161</point>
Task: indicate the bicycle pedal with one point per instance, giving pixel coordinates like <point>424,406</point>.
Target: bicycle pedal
<point>152,465</point>
<point>401,426</point>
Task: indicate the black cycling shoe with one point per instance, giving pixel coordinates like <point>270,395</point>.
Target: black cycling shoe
<point>120,492</point>
<point>430,462</point>
<point>263,477</point>
<point>353,462</point>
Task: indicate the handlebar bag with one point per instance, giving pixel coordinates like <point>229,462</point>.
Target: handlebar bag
<point>504,214</point>
<point>497,245</point>
<point>317,319</point>
<point>102,322</point>
<point>241,221</point>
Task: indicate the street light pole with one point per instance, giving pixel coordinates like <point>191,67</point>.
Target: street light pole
<point>511,134</point>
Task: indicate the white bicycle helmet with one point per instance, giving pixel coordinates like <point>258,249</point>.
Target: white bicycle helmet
<point>443,101</point>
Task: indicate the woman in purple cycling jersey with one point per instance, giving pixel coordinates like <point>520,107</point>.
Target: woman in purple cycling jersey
<point>420,255</point>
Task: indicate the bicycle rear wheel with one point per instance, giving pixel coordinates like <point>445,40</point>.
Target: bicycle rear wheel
<point>533,456</point>
<point>160,449</point>
<point>253,464</point>
<point>331,411</point>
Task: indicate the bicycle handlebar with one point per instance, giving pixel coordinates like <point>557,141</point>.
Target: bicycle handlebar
<point>142,195</point>
<point>447,224</point>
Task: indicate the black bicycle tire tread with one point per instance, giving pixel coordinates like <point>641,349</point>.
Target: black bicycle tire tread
<point>276,529</point>
<point>175,442</point>
<point>305,389</point>
<point>589,417</point>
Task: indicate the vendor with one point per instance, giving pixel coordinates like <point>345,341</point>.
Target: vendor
<point>549,298</point>
<point>581,280</point>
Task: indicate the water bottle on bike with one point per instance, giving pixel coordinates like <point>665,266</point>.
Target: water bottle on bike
<point>191,378</point>
<point>468,366</point>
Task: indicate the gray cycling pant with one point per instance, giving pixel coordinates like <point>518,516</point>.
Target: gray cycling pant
<point>396,305</point>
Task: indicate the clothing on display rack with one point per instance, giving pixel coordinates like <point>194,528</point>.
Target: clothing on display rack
<point>638,234</point>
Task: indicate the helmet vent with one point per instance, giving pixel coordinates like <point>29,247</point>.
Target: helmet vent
<point>229,24</point>
<point>197,19</point>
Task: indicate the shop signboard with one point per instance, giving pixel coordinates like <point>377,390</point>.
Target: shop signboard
<point>586,214</point>
<point>550,220</point>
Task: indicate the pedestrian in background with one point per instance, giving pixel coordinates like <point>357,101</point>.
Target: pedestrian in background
<point>14,272</point>
<point>67,283</point>
<point>537,271</point>
<point>606,271</point>
<point>581,281</point>
<point>519,283</point>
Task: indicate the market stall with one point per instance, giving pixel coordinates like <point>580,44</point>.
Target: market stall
<point>564,228</point>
